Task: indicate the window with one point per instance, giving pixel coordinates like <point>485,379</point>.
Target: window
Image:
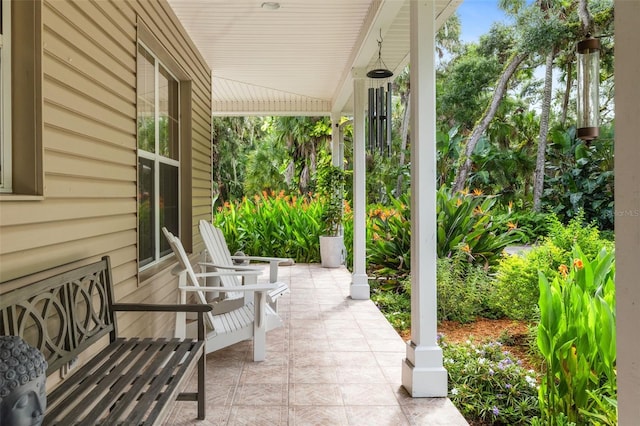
<point>21,167</point>
<point>158,156</point>
<point>5,95</point>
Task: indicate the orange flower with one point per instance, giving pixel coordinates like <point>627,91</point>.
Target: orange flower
<point>512,225</point>
<point>577,263</point>
<point>478,210</point>
<point>477,192</point>
<point>464,191</point>
<point>466,248</point>
<point>458,202</point>
<point>564,270</point>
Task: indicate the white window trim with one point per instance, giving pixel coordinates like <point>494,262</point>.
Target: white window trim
<point>157,158</point>
<point>5,95</point>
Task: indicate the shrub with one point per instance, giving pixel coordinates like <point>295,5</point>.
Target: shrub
<point>394,301</point>
<point>389,247</point>
<point>462,289</point>
<point>465,224</point>
<point>273,225</point>
<point>487,384</point>
<point>577,232</point>
<point>533,226</point>
<point>516,289</point>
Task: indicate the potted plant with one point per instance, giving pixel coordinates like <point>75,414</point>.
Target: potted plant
<point>330,185</point>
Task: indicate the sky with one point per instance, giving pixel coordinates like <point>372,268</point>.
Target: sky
<point>476,17</point>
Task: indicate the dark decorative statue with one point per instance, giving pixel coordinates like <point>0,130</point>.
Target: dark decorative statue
<point>23,397</point>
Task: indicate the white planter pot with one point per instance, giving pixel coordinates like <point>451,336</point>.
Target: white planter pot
<point>332,251</point>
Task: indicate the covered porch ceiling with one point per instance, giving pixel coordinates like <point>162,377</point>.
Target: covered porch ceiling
<point>297,59</point>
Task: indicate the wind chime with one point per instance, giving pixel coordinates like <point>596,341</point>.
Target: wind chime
<point>379,123</point>
<point>588,89</point>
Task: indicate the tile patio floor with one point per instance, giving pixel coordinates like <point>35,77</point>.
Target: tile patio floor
<point>336,362</point>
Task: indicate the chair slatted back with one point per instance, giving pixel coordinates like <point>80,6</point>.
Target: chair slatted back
<point>219,254</point>
<point>185,264</point>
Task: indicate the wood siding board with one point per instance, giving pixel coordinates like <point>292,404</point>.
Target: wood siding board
<point>124,36</point>
<point>14,213</point>
<point>72,100</point>
<point>64,76</point>
<point>87,37</point>
<point>25,237</point>
<point>58,49</point>
<point>63,141</point>
<point>65,187</point>
<point>15,264</point>
<point>66,51</point>
<point>64,164</point>
<point>59,116</point>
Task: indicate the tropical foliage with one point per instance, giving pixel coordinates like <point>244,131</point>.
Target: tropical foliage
<point>577,339</point>
<point>507,134</point>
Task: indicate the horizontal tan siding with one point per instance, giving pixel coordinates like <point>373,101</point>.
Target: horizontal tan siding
<point>89,141</point>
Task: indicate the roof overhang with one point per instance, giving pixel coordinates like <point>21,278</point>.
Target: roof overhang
<point>301,58</point>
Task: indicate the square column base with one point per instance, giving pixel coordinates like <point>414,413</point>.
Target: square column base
<point>424,382</point>
<point>360,289</point>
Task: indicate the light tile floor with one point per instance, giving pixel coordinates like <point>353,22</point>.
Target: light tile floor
<point>337,361</point>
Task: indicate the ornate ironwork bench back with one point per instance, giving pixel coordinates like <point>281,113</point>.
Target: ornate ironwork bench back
<point>64,314</point>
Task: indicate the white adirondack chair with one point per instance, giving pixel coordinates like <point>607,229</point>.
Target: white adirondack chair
<point>235,324</point>
<point>219,257</point>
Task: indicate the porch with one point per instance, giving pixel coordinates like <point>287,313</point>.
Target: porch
<point>337,361</point>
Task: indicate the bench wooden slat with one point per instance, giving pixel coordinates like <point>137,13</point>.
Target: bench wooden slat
<point>159,381</point>
<point>84,379</point>
<point>96,384</point>
<point>176,381</point>
<point>138,374</point>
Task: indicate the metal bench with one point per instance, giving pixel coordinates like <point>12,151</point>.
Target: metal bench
<point>131,381</point>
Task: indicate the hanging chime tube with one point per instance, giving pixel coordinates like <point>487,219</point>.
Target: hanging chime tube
<point>371,124</point>
<point>388,116</point>
<point>588,110</point>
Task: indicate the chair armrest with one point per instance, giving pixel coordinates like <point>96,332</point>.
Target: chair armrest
<point>228,274</point>
<point>150,307</point>
<point>246,288</point>
<point>231,267</point>
<point>263,259</point>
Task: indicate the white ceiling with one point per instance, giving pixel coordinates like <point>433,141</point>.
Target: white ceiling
<point>296,60</point>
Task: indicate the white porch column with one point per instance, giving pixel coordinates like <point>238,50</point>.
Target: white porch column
<point>336,154</point>
<point>359,284</point>
<point>627,209</point>
<point>423,374</point>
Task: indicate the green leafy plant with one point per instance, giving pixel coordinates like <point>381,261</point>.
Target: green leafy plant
<point>273,225</point>
<point>394,301</point>
<point>515,290</point>
<point>330,187</point>
<point>516,287</point>
<point>462,289</point>
<point>487,384</point>
<point>580,177</point>
<point>577,338</point>
<point>465,223</point>
<point>389,239</point>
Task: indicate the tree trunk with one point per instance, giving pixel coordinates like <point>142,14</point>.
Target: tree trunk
<point>538,184</point>
<point>403,147</point>
<point>567,92</point>
<point>481,126</point>
<point>585,17</point>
